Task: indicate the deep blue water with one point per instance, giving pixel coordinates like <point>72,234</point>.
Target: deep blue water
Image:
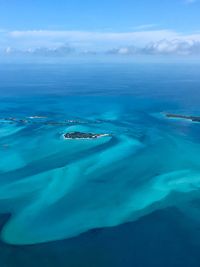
<point>130,199</point>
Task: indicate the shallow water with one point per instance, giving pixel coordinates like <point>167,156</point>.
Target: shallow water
<point>97,198</point>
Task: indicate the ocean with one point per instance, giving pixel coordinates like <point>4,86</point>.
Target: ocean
<point>130,198</point>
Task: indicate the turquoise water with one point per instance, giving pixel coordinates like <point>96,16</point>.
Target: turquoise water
<point>102,198</point>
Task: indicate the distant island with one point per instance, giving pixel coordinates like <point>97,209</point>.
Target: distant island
<point>80,135</point>
<point>186,117</point>
<point>47,121</point>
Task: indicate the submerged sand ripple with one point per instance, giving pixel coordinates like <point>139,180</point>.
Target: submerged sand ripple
<point>72,187</point>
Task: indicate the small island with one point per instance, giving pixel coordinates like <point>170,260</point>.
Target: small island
<point>185,117</point>
<point>80,135</point>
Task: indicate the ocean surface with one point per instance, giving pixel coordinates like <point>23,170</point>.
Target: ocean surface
<point>128,199</point>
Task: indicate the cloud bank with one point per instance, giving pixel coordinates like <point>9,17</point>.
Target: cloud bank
<point>163,47</point>
<point>62,43</point>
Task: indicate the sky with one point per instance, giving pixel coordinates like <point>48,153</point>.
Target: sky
<point>58,28</point>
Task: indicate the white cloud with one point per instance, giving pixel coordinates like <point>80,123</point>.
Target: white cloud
<point>92,38</point>
<point>163,47</point>
<point>178,47</point>
<point>145,26</point>
<point>53,43</point>
<point>60,51</point>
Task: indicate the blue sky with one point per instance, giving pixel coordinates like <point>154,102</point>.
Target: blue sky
<point>104,15</point>
<point>112,26</point>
